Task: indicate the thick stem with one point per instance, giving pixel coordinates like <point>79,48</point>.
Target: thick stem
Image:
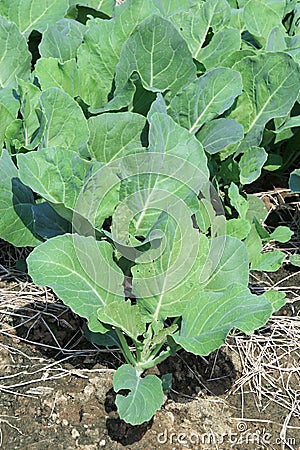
<point>151,362</point>
<point>125,348</point>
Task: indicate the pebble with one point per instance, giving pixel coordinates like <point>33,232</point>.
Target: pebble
<point>75,433</point>
<point>65,423</point>
<point>102,443</point>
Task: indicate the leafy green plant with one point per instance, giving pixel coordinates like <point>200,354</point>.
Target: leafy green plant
<point>128,134</point>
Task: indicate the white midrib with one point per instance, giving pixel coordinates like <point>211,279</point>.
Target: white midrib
<point>265,105</point>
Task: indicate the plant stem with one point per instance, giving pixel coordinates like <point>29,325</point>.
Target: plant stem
<point>125,348</point>
<point>151,362</point>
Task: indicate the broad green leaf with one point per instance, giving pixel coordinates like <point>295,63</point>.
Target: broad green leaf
<point>9,107</point>
<point>162,280</point>
<point>62,177</point>
<point>282,234</point>
<point>16,200</point>
<point>209,317</point>
<point>193,26</point>
<point>109,339</point>
<point>62,40</point>
<point>294,181</point>
<point>270,89</point>
<point>164,286</point>
<point>145,396</point>
<point>31,15</point>
<point>268,261</point>
<point>295,260</point>
<point>195,23</point>
<point>238,201</point>
<point>47,223</point>
<point>100,52</point>
<point>254,16</point>
<point>219,133</point>
<point>173,171</point>
<point>251,164</point>
<point>66,124</point>
<point>111,139</point>
<point>15,57</point>
<point>52,73</point>
<point>277,299</point>
<point>206,98</point>
<point>70,265</point>
<point>222,44</point>
<point>238,228</point>
<point>159,55</point>
<point>125,316</point>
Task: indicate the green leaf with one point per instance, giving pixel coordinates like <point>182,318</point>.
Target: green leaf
<point>256,209</point>
<point>253,243</point>
<point>66,124</point>
<point>221,46</point>
<point>251,164</point>
<point>16,200</point>
<point>100,52</point>
<point>31,15</point>
<point>108,339</point>
<point>195,23</point>
<point>62,177</point>
<point>295,260</point>
<point>276,40</point>
<point>238,228</point>
<point>173,171</point>
<point>125,316</point>
<point>219,133</point>
<point>277,299</point>
<point>268,261</point>
<point>26,133</point>
<point>282,234</point>
<point>165,284</point>
<point>9,107</point>
<point>159,55</point>
<point>15,57</point>
<point>69,264</point>
<point>106,6</point>
<point>206,98</point>
<point>145,396</point>
<point>111,139</point>
<point>294,181</point>
<point>238,201</point>
<point>270,89</point>
<point>62,40</point>
<point>51,73</point>
<point>210,316</point>
<point>254,15</point>
<point>47,223</point>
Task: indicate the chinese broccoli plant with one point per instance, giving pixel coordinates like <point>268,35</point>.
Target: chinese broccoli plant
<point>127,136</point>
